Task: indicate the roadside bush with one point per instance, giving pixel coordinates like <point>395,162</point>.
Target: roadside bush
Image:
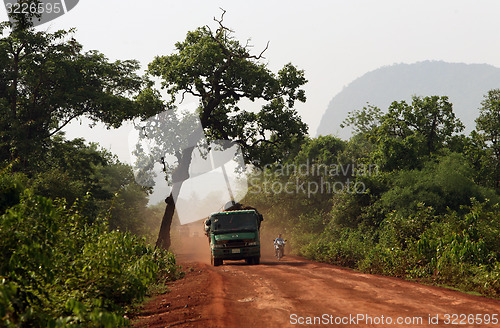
<point>423,217</point>
<point>454,249</point>
<point>59,271</point>
<point>11,187</point>
<point>442,184</point>
<point>487,279</point>
<point>340,245</point>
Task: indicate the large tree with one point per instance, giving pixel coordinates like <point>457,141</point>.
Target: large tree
<point>488,125</point>
<point>219,72</point>
<point>47,80</point>
<point>409,133</point>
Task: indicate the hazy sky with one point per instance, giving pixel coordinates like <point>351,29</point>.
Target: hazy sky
<point>333,41</point>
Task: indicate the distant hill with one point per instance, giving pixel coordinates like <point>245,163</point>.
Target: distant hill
<point>464,84</point>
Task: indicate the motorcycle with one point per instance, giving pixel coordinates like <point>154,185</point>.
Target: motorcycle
<point>279,248</point>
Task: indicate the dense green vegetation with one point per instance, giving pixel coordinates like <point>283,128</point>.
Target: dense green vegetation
<point>408,195</point>
<point>74,225</point>
<point>64,261</point>
<point>60,270</point>
<point>423,203</point>
<point>73,239</point>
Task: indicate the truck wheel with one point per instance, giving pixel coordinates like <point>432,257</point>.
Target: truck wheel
<point>215,261</point>
<point>249,260</point>
<point>256,260</point>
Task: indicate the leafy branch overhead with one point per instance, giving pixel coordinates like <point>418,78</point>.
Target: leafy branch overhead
<point>47,81</point>
<point>219,71</point>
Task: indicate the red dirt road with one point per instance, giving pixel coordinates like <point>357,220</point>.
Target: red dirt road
<point>292,292</point>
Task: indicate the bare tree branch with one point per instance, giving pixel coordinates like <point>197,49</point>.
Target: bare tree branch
<point>262,52</point>
<point>59,128</point>
<point>221,26</point>
<point>226,51</point>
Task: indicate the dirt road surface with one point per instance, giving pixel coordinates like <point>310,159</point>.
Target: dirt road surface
<point>299,293</point>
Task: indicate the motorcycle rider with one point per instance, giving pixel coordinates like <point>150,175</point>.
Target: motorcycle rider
<point>279,241</point>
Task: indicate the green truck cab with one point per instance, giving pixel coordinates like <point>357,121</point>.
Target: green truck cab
<point>234,235</point>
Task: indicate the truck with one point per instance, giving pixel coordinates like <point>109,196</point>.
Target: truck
<point>234,235</point>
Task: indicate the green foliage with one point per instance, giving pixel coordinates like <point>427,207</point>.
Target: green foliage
<point>488,121</point>
<point>11,186</point>
<point>408,134</point>
<point>363,121</point>
<point>459,250</point>
<point>338,245</point>
<point>446,183</point>
<point>347,209</point>
<point>46,81</point>
<point>430,214</point>
<point>321,150</point>
<point>60,271</point>
<point>462,246</point>
<point>74,169</point>
<point>479,155</point>
<point>488,125</point>
<point>219,71</point>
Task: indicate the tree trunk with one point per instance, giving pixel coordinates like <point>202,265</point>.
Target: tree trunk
<point>179,175</point>
<point>163,240</point>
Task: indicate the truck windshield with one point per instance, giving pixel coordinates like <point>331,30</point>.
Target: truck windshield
<point>233,222</point>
